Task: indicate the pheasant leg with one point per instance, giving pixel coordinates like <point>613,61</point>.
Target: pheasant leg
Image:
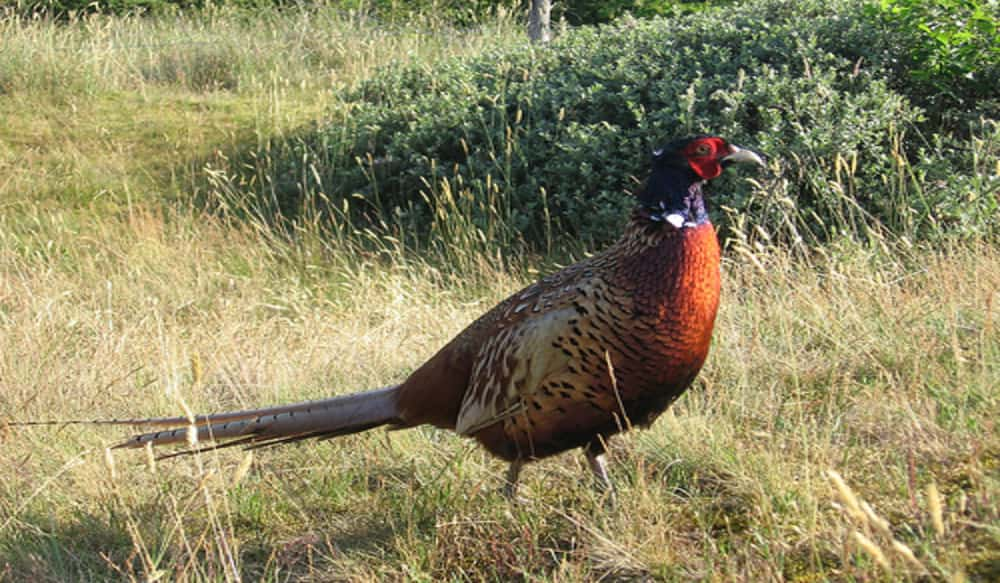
<point>510,487</point>
<point>599,466</point>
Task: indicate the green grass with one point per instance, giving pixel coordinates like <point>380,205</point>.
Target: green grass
<point>120,297</point>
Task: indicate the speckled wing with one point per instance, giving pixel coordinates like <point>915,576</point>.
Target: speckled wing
<point>510,367</point>
<point>521,350</point>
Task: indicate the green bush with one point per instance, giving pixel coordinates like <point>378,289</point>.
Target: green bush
<point>531,142</point>
<point>579,12</point>
<point>64,8</point>
<point>951,48</point>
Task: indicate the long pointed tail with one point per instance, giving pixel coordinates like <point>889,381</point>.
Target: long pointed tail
<point>254,428</point>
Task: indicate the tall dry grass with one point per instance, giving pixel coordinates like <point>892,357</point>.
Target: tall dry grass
<point>878,366</point>
<point>105,111</point>
<point>312,48</point>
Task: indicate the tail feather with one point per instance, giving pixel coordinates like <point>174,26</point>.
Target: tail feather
<point>213,418</point>
<point>262,427</point>
<point>255,442</point>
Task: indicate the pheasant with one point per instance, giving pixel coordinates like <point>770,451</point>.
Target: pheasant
<point>568,362</point>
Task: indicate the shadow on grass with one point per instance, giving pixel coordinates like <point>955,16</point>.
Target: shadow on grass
<point>90,546</point>
<point>82,547</point>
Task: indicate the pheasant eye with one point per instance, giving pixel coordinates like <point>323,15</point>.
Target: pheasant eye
<point>703,150</point>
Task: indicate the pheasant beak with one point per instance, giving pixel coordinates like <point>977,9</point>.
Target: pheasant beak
<point>741,155</point>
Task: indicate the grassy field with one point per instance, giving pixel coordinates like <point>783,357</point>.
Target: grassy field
<point>844,427</point>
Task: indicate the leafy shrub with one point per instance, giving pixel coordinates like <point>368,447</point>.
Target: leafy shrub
<point>458,12</point>
<point>952,47</point>
<point>63,8</point>
<point>528,142</point>
<point>579,12</point>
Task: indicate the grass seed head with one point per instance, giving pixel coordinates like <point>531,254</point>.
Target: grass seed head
<point>881,525</point>
<point>847,497</point>
<point>872,549</point>
<point>243,469</point>
<point>934,507</point>
<point>109,462</point>
<point>150,457</point>
<point>907,554</point>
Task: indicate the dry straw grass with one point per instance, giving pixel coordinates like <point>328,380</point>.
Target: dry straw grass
<point>829,371</point>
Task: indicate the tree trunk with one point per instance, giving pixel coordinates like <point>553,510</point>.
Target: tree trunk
<point>539,30</point>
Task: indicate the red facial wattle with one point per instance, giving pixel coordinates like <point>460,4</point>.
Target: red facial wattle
<point>703,155</point>
<point>707,167</point>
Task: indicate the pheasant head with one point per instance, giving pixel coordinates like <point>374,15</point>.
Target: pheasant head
<point>673,192</point>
